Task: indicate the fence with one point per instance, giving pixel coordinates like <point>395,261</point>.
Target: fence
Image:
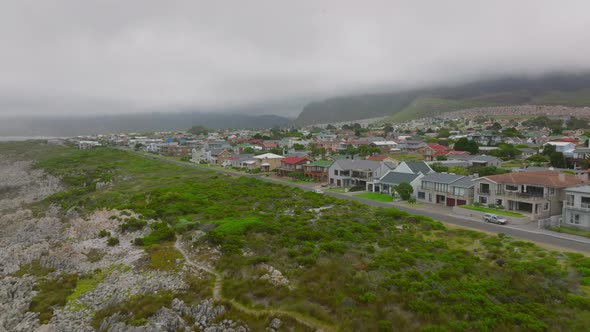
<point>550,222</point>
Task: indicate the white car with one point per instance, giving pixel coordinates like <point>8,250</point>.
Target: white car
<point>318,191</point>
<point>488,217</point>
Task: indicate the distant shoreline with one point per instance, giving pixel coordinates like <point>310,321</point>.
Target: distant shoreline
<point>24,138</point>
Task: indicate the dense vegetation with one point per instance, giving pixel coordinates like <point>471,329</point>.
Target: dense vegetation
<point>350,265</point>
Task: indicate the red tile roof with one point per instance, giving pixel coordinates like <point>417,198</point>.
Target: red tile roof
<point>541,178</point>
<point>293,160</point>
<point>377,158</point>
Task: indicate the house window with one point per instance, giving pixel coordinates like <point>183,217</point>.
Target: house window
<point>551,191</point>
<point>576,219</point>
<point>483,200</point>
<point>546,206</point>
<point>498,202</point>
<point>335,172</point>
<point>421,195</point>
<point>511,187</point>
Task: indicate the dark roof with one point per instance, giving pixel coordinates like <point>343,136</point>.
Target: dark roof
<point>358,164</point>
<point>419,166</point>
<point>396,178</point>
<point>443,177</point>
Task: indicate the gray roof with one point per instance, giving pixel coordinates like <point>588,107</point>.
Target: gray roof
<point>245,156</point>
<point>443,177</point>
<point>358,164</point>
<point>581,189</point>
<point>419,166</point>
<point>216,152</point>
<point>465,182</point>
<point>527,150</point>
<point>485,158</point>
<point>396,178</point>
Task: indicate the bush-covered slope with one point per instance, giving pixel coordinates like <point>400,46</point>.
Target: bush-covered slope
<point>349,265</point>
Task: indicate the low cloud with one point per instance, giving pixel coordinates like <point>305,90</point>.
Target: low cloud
<point>146,55</point>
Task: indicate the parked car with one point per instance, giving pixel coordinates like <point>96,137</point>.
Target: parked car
<point>488,217</point>
<point>318,191</point>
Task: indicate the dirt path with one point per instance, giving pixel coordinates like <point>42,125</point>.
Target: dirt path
<point>217,296</point>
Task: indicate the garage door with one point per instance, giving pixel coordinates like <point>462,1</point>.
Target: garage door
<point>450,202</point>
<point>461,202</point>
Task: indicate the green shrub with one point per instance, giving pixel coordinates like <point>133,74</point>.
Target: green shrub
<point>112,241</point>
<point>132,225</point>
<point>103,233</point>
<point>52,293</point>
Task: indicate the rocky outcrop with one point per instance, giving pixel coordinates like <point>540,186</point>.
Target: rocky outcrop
<point>15,297</point>
<point>179,317</point>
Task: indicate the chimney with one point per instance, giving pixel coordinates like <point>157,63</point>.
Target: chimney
<point>561,176</point>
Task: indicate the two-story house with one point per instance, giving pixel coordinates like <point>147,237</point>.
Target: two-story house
<point>268,161</point>
<point>355,172</point>
<point>576,207</point>
<point>446,189</point>
<point>290,165</point>
<point>538,193</point>
<point>317,170</point>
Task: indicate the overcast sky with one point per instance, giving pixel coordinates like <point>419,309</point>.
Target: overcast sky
<point>214,54</point>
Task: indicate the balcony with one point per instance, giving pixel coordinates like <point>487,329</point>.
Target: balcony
<point>581,206</point>
<point>525,195</point>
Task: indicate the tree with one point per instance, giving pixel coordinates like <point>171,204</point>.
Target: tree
<point>442,157</point>
<point>443,133</point>
<point>495,127</point>
<point>249,150</point>
<point>198,130</point>
<point>404,190</point>
<point>538,158</point>
<point>505,152</point>
<point>366,150</point>
<point>458,170</point>
<point>548,149</point>
<point>511,132</point>
<point>575,123</point>
<point>463,144</point>
<point>439,167</point>
<point>330,127</point>
<point>138,147</point>
<point>489,170</point>
<point>298,147</point>
<point>557,159</point>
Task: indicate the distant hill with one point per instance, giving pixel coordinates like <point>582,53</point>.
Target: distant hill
<point>137,122</point>
<point>555,89</point>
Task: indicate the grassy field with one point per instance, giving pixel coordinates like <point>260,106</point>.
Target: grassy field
<point>376,197</point>
<point>494,211</point>
<point>351,265</point>
<point>571,230</point>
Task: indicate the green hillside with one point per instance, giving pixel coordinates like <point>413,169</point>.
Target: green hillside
<point>557,89</point>
<point>432,106</point>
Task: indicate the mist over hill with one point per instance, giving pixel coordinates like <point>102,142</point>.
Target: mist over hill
<point>554,89</point>
<point>136,122</point>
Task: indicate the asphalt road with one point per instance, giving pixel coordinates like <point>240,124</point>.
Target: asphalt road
<point>553,242</point>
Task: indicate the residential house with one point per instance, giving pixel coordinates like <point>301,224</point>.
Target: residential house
<point>317,170</point>
<point>538,193</point>
<point>268,161</point>
<point>290,165</point>
<point>413,167</point>
<point>83,145</point>
<point>218,156</point>
<point>576,207</point>
<point>174,150</point>
<point>433,150</point>
<point>387,182</point>
<point>567,148</point>
<point>410,145</point>
<point>527,152</point>
<point>355,172</point>
<point>385,146</point>
<point>446,189</point>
